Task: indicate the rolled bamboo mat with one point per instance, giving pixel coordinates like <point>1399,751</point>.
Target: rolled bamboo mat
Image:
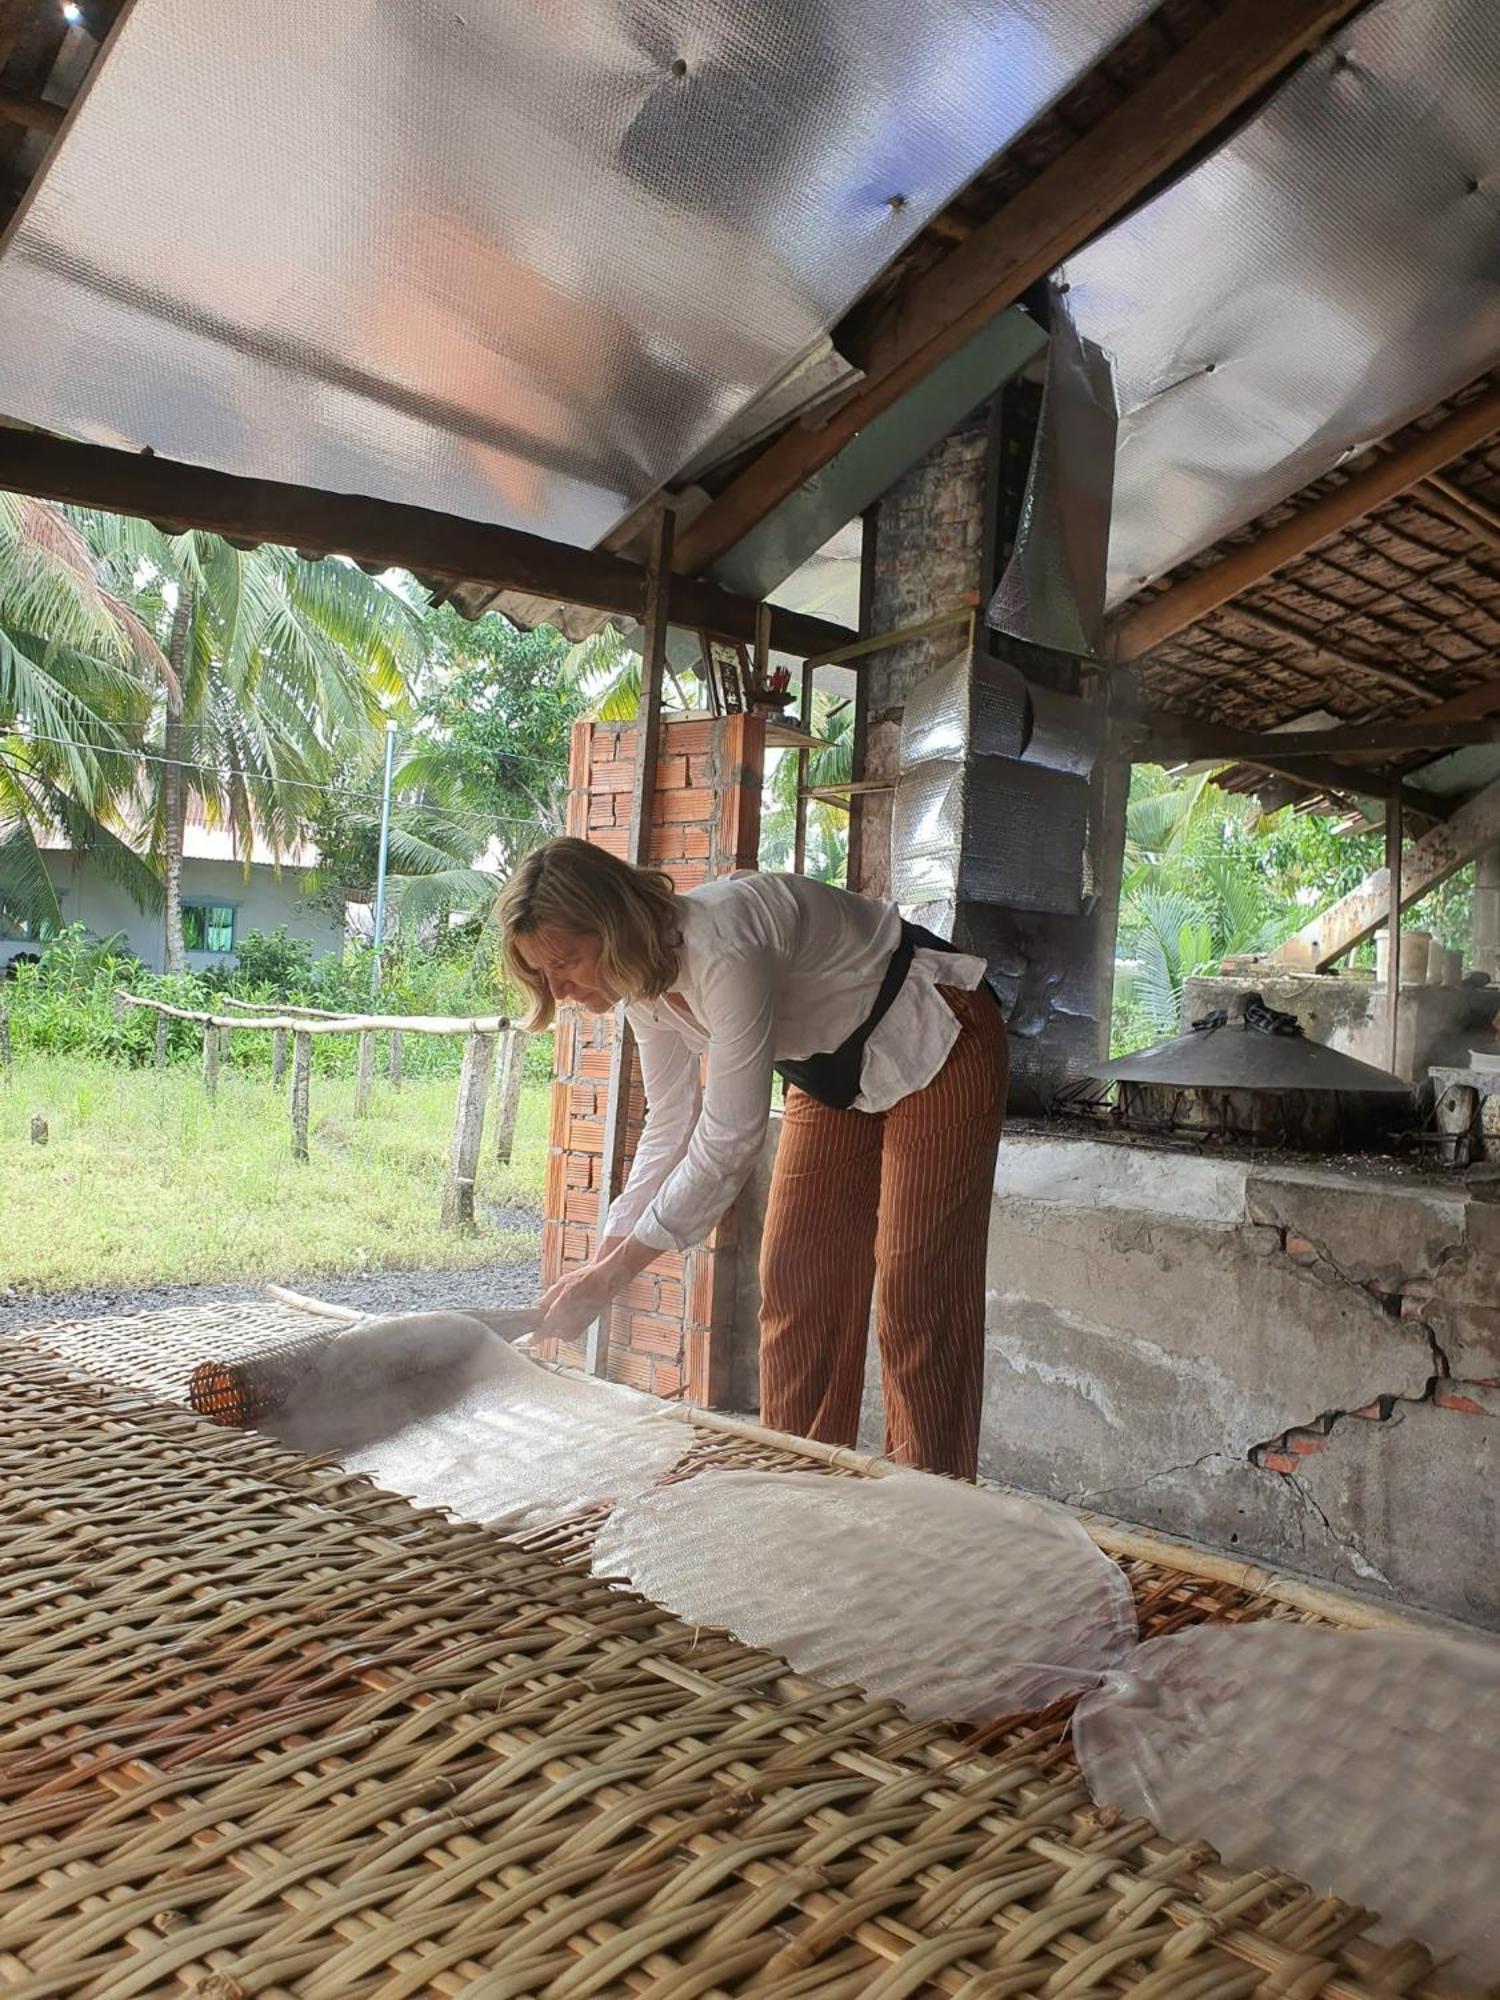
<point>270,1732</point>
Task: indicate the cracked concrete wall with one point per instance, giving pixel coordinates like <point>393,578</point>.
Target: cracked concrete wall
<point>1297,1365</point>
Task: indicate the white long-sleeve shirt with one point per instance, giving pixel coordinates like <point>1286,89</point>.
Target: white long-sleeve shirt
<point>774,968</point>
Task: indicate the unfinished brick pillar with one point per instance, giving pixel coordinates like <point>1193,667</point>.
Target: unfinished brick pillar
<point>670,1331</point>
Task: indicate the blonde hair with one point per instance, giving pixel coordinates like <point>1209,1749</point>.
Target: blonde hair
<point>579,887</point>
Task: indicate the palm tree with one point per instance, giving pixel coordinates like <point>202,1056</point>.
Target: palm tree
<point>277,668</point>
<point>78,670</point>
<point>1195,889</point>
<point>827,823</point>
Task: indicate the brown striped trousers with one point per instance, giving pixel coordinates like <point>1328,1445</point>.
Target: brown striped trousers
<point>894,1204</point>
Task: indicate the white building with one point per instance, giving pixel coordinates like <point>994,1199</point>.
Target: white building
<point>222,899</point>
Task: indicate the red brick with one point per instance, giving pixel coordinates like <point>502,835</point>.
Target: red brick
<point>1300,1247</point>
<point>565,1043</point>
<point>578,1172</point>
<point>552,1251</point>
<point>688,739</point>
<point>557,1126</point>
<point>577,1248</point>
<point>554,1182</point>
<point>1370,1411</point>
<point>581,1207</point>
<point>640,1293</point>
<point>670,1300</point>
<point>697,843</point>
<point>671,773</point>
<point>594,1063</point>
<point>684,877</point>
<point>692,803</point>
<point>579,748</point>
<point>601,809</point>
<point>1278,1461</point>
<point>632,1368</point>
<point>1303,1443</point>
<point>700,771</point>
<point>1455,1399</point>
<point>666,1378</point>
<point>706,1375</point>
<point>670,1264</point>
<point>614,840</point>
<point>649,1335</point>
<point>585,1135</point>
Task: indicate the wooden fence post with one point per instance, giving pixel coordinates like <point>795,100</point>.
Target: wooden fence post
<point>301,1082</point>
<point>508,1094</point>
<point>5,1049</point>
<point>468,1132</point>
<point>211,1047</point>
<point>364,1073</point>
<point>278,1057</point>
<point>163,1031</point>
<point>395,1062</point>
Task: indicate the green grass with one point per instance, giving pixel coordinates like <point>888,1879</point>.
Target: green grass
<point>145,1181</point>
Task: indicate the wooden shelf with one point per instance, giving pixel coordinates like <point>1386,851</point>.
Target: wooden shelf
<point>787,736</point>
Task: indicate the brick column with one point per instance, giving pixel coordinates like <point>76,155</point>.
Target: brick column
<point>670,1330</point>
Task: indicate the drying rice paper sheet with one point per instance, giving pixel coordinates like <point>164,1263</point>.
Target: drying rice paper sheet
<point>1367,1764</point>
<point>958,1603</point>
<point>441,1408</point>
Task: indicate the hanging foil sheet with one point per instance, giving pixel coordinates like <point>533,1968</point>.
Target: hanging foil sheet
<point>958,1604</point>
<point>990,807</point>
<point>511,262</point>
<point>1365,1763</point>
<point>990,830</point>
<point>1052,591</point>
<point>1325,277</point>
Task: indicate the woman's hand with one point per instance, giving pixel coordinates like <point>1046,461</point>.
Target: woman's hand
<point>573,1304</point>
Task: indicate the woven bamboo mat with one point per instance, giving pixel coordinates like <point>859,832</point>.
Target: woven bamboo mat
<point>268,1731</point>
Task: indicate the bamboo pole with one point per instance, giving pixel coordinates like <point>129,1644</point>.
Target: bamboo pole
<point>364,1072</point>
<point>468,1131</point>
<point>340,1024</point>
<point>1393,831</point>
<point>301,1091</point>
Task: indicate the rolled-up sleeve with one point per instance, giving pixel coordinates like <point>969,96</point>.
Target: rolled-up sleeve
<point>670,1072</point>
<point>738,1001</point>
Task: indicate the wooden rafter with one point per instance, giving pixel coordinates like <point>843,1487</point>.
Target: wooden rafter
<point>1211,78</point>
<point>380,532</point>
<point>1159,617</point>
<point>1352,739</point>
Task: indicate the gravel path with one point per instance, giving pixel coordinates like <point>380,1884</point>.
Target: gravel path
<point>494,1285</point>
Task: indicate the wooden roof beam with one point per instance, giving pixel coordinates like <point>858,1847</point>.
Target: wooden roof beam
<point>1157,618</point>
<point>382,533</point>
<point>1172,743</point>
<point>1208,80</point>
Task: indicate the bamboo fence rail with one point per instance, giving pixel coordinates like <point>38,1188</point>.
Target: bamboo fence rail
<point>271,1732</point>
<point>480,1035</point>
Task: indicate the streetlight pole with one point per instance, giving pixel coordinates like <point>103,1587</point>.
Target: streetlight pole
<point>385,849</point>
